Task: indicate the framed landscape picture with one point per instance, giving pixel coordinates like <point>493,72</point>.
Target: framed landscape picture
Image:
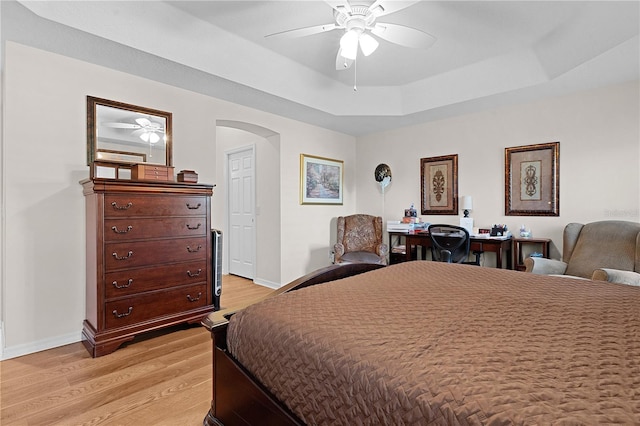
<point>531,180</point>
<point>439,185</point>
<point>320,180</point>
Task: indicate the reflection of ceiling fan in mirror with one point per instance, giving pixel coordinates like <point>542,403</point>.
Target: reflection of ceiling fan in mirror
<point>359,23</point>
<point>144,128</point>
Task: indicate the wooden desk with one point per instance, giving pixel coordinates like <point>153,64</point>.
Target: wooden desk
<point>501,247</point>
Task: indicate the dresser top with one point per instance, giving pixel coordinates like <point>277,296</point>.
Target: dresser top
<point>97,185</point>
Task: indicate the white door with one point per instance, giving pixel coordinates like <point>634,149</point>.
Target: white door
<point>241,240</point>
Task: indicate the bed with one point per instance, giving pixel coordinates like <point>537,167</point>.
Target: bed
<point>428,343</point>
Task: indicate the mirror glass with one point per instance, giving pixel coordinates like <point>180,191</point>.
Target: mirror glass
<point>127,134</point>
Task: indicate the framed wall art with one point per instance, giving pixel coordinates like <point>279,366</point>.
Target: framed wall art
<point>320,180</point>
<point>120,156</point>
<point>531,176</point>
<point>439,185</point>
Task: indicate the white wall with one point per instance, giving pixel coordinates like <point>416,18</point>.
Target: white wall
<point>44,158</point>
<point>599,135</point>
<point>308,231</point>
<point>44,145</point>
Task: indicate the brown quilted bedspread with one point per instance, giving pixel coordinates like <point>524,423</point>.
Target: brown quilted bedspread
<point>424,343</point>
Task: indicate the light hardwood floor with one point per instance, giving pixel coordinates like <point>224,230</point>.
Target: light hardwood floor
<point>162,378</point>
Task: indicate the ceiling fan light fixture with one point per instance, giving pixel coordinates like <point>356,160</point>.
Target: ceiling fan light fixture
<point>151,137</point>
<point>358,23</point>
<point>349,44</point>
<point>368,44</point>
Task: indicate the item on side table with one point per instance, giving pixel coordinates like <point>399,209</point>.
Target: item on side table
<point>188,176</point>
<point>524,232</point>
<point>152,172</point>
<point>410,212</point>
<point>498,230</point>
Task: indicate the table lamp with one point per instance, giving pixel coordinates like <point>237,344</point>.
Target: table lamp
<point>466,204</point>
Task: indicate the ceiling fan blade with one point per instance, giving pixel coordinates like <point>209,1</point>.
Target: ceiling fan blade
<point>306,31</point>
<point>339,5</point>
<point>342,63</point>
<point>404,36</point>
<point>382,7</point>
<point>121,125</point>
<point>143,122</point>
<point>149,125</point>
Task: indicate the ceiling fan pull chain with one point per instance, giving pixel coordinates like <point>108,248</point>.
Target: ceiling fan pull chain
<point>355,75</point>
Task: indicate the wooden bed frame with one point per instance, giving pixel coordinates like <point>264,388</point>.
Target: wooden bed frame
<point>238,398</point>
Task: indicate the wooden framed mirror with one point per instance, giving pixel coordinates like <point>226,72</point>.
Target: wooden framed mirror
<point>120,135</point>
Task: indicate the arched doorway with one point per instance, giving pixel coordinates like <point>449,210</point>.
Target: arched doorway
<point>249,167</point>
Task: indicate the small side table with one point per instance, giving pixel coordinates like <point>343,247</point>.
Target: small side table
<point>518,243</point>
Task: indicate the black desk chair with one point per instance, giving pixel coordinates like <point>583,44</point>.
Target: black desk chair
<point>451,244</point>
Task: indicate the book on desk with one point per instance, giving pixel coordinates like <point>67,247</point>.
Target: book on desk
<point>401,226</point>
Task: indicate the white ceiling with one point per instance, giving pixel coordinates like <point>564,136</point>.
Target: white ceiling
<point>487,53</point>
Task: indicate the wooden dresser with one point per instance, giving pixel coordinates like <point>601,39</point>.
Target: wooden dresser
<point>148,258</point>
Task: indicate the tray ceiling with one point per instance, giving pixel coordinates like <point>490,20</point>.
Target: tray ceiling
<point>487,53</point>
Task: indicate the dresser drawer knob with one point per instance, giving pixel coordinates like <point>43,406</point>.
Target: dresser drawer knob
<point>124,314</point>
<point>117,207</point>
<point>127,285</point>
<point>194,274</point>
<point>191,227</point>
<point>124,231</point>
<point>191,207</point>
<point>194,299</point>
<point>195,250</point>
<point>115,255</point>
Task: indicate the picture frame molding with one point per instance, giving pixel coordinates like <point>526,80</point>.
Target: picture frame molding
<point>120,156</point>
<point>543,160</point>
<point>335,186</point>
<point>450,163</point>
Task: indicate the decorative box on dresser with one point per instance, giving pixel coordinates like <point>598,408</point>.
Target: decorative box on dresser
<point>148,258</point>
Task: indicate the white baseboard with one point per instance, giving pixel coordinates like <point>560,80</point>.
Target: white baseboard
<point>1,340</point>
<point>54,342</point>
<point>41,345</point>
<point>265,283</point>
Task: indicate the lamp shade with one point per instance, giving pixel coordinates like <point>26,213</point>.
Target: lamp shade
<point>150,137</point>
<point>349,44</point>
<point>467,202</point>
<point>368,44</point>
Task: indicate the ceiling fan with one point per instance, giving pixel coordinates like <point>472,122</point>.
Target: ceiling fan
<point>358,23</point>
<point>144,128</point>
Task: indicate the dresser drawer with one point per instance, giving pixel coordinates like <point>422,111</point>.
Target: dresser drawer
<point>125,205</point>
<point>126,255</point>
<point>151,172</point>
<point>139,228</point>
<point>132,281</point>
<point>143,307</point>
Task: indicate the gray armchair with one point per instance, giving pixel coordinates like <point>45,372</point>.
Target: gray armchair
<point>359,240</point>
<point>607,251</point>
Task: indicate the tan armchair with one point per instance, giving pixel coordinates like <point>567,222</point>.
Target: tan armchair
<point>607,251</point>
<point>359,240</point>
